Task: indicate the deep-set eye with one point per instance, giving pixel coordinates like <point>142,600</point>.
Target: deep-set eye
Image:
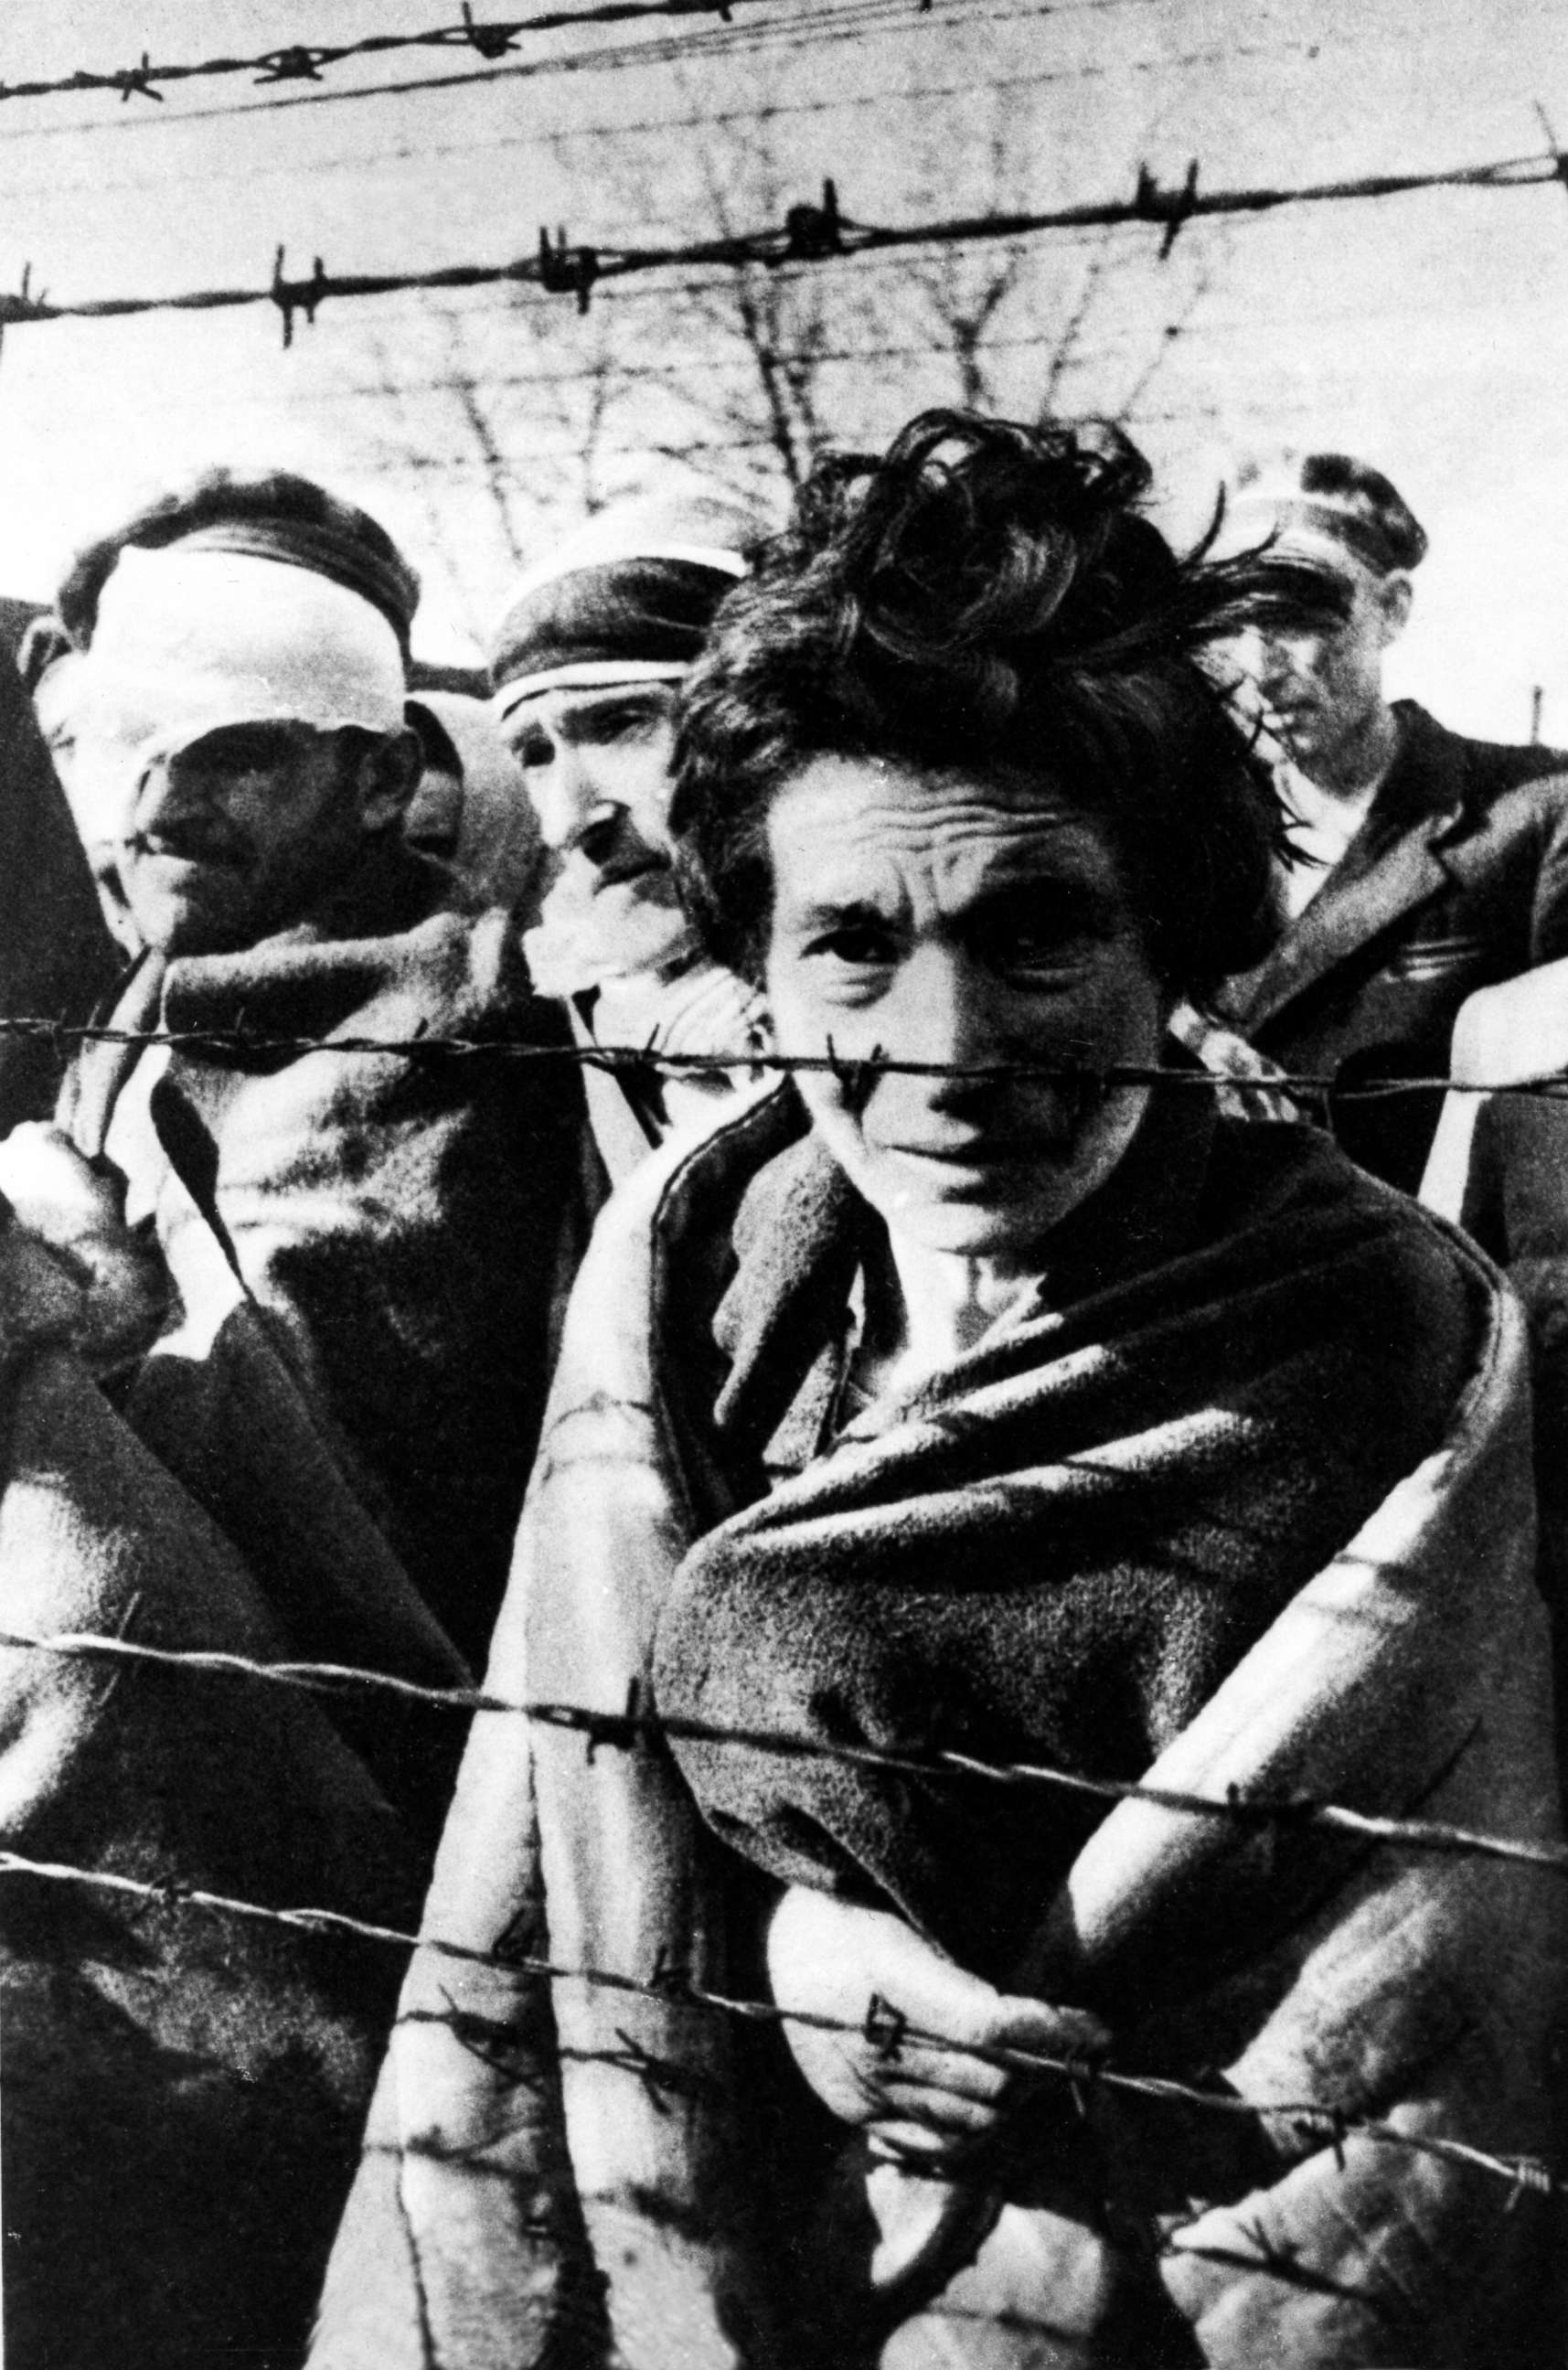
<point>1040,951</point>
<point>635,720</point>
<point>243,749</point>
<point>1045,933</point>
<point>860,946</point>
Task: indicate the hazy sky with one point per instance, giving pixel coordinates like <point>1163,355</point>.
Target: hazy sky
<point>1429,333</point>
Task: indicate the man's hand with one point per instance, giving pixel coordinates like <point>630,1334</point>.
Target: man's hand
<point>76,1207</point>
<point>924,2102</point>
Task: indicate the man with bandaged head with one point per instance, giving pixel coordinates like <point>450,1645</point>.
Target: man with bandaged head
<point>1426,865</point>
<point>276,1311</point>
<point>586,661</point>
<point>229,720</point>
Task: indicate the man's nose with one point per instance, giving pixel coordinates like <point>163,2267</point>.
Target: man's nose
<point>1276,657</point>
<point>951,1020</point>
<point>168,786</point>
<point>568,800</point>
<point>1248,649</point>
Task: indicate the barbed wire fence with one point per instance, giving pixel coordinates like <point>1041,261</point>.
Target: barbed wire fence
<point>304,61</point>
<point>815,232</point>
<point>820,23</point>
<point>812,234</point>
<point>885,2027</point>
<point>759,1058</point>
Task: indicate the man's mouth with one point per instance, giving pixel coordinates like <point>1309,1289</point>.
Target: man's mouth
<point>973,1152</point>
<point>184,847</point>
<point>628,867</point>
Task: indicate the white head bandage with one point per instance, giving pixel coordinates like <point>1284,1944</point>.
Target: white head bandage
<point>187,641</point>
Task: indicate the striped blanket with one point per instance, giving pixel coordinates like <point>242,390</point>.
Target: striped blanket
<point>1304,1405</point>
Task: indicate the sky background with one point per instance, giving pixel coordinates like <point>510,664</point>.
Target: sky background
<point>1428,333</point>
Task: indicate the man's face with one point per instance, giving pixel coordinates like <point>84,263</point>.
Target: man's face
<point>1320,680</point>
<point>237,834</point>
<point>942,918</point>
<point>96,803</point>
<point>597,768</point>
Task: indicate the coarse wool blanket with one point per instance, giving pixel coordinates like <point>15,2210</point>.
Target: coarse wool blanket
<point>405,1222</point>
<point>1174,1487</point>
<point>183,2090</point>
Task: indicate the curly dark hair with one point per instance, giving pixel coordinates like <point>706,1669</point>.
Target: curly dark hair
<point>987,597</point>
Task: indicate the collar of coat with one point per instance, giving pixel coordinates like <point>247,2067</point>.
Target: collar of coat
<point>1404,854</point>
<point>801,1233</point>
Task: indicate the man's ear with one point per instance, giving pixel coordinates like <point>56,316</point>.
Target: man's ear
<point>1395,594</point>
<point>387,777</point>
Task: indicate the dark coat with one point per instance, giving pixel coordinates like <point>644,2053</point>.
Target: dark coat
<point>56,958</point>
<point>1458,878</point>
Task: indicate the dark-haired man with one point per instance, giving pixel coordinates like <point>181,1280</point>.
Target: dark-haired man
<point>318,1280</point>
<point>586,661</point>
<point>1431,865</point>
<point>240,760</point>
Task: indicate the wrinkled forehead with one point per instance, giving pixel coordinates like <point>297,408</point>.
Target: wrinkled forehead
<point>848,832</point>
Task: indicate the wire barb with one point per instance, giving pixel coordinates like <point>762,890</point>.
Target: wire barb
<point>134,78</point>
<point>856,1075</point>
<point>491,40</point>
<point>1172,207</point>
<point>303,60</point>
<point>812,234</point>
<point>886,2027</point>
<point>673,1981</point>
<point>22,305</point>
<point>639,1724</point>
<point>293,296</point>
<point>567,270</point>
<point>816,235</point>
<point>297,62</point>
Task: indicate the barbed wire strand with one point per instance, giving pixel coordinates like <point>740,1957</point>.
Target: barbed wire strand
<point>304,61</point>
<point>634,1726</point>
<point>887,2028</point>
<point>1551,1085</point>
<point>811,234</point>
<point>800,27</point>
<point>761,111</point>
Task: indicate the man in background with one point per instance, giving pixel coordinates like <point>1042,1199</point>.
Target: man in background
<point>1428,865</point>
<point>238,738</point>
<point>586,664</point>
<point>277,1304</point>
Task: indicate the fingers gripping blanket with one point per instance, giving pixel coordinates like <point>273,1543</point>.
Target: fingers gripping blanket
<point>1253,1513</point>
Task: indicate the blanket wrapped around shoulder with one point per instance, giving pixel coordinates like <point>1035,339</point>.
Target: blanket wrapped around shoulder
<point>184,2089</point>
<point>404,1223</point>
<point>1250,1510</point>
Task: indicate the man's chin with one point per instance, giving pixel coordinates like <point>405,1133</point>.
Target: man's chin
<point>634,922</point>
<point>172,926</point>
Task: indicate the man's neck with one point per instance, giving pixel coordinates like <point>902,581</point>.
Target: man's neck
<point>1353,770</point>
